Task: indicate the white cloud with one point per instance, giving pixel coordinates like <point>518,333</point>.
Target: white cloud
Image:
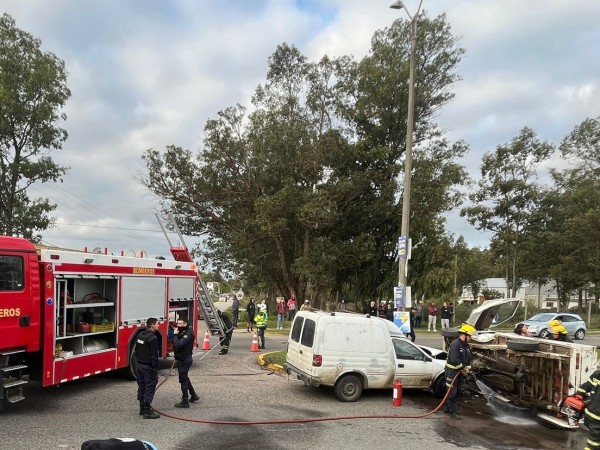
<point>148,74</point>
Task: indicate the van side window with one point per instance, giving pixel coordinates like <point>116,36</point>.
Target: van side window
<point>297,328</point>
<point>405,350</point>
<point>11,273</point>
<point>308,335</point>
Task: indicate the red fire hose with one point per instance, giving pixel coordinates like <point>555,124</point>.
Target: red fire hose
<point>304,420</point>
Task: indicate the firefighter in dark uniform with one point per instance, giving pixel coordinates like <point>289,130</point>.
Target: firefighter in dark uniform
<point>591,392</point>
<point>146,355</point>
<point>183,341</point>
<point>228,328</point>
<point>458,362</point>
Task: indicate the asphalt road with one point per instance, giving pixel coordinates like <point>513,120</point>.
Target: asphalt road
<point>235,388</point>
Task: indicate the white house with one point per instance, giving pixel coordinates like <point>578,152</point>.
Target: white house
<point>546,294</point>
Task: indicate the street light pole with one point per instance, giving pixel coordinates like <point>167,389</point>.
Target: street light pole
<point>405,228</point>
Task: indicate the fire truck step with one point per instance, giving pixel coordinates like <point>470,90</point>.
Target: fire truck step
<point>12,368</point>
<point>12,384</point>
<point>15,395</point>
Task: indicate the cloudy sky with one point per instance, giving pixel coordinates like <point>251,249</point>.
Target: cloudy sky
<point>149,73</point>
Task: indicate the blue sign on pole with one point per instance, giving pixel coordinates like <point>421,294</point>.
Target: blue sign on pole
<point>399,296</point>
<point>402,247</point>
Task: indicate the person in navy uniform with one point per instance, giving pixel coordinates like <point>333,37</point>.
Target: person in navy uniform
<point>183,342</point>
<point>146,355</point>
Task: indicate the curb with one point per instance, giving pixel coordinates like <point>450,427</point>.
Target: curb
<point>263,363</point>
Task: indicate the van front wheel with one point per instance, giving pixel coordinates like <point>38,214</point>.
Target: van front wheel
<point>348,388</point>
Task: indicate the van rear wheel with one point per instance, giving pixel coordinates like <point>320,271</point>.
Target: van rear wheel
<point>348,388</point>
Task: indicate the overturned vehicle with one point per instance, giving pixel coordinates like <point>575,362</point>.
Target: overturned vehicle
<point>530,372</point>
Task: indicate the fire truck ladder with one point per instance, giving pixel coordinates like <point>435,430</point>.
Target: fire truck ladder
<point>11,379</point>
<point>208,310</point>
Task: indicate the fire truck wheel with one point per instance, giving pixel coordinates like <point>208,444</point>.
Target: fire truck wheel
<point>522,345</point>
<point>131,370</point>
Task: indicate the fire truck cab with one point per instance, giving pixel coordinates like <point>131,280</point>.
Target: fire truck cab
<point>77,313</point>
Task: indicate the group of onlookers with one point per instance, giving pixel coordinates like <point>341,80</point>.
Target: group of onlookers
<point>446,312</point>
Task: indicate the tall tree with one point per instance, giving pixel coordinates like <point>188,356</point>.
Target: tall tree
<point>302,192</point>
<point>506,195</point>
<point>32,91</point>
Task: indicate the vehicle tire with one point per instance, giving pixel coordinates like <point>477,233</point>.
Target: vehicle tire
<point>440,388</point>
<point>544,333</point>
<point>450,332</point>
<point>522,345</point>
<point>131,369</point>
<point>348,388</point>
<point>579,334</point>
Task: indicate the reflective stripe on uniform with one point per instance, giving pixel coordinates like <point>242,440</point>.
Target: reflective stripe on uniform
<point>450,366</point>
<point>592,415</point>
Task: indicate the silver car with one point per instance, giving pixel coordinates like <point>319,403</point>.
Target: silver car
<point>538,324</point>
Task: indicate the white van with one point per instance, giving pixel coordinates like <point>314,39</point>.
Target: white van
<point>353,352</point>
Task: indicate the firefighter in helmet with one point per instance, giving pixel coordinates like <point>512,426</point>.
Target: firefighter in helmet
<point>183,341</point>
<point>458,365</point>
<point>146,355</point>
<point>591,393</point>
<point>228,328</point>
<point>559,333</point>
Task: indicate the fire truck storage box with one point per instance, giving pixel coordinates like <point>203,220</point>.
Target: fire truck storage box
<point>102,327</point>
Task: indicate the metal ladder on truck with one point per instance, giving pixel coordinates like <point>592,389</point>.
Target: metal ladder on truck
<point>11,379</point>
<point>209,311</point>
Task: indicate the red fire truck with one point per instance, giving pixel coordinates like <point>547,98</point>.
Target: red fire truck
<point>76,314</point>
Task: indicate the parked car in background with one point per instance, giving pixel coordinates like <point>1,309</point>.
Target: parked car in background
<point>573,323</point>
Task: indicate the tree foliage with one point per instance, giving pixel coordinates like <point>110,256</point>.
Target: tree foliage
<point>32,92</point>
<point>506,196</point>
<point>302,194</point>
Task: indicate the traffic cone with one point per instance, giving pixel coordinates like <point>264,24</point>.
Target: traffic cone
<point>206,343</point>
<point>254,346</point>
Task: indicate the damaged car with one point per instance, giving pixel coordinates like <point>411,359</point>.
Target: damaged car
<point>530,372</point>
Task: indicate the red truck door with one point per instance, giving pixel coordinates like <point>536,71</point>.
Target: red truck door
<point>16,286</point>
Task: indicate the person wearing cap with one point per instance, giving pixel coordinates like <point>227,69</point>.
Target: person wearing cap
<point>305,306</point>
<point>559,333</point>
<point>458,366</point>
<point>261,324</point>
